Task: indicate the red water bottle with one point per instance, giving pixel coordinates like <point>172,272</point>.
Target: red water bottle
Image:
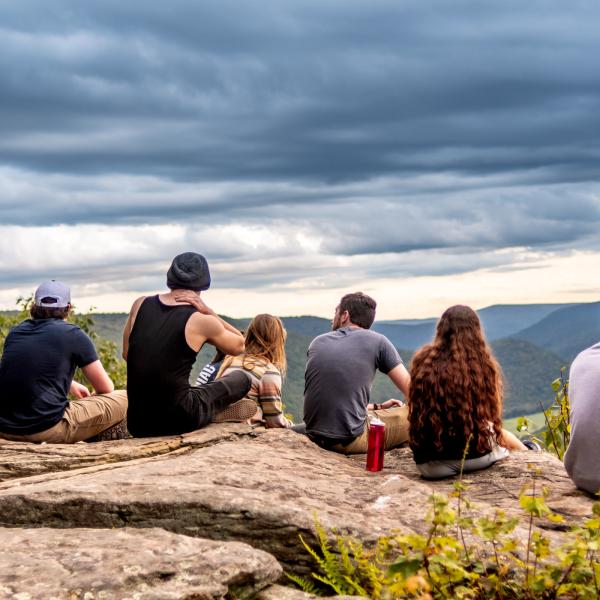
<point>376,445</point>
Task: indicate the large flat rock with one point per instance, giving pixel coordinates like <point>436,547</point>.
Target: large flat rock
<point>231,482</point>
<point>263,490</point>
<point>19,459</point>
<point>145,564</point>
<point>500,485</point>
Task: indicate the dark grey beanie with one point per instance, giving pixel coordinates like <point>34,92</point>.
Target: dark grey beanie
<point>189,271</point>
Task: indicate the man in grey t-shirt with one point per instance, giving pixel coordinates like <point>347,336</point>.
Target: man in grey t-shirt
<point>582,459</point>
<point>339,373</point>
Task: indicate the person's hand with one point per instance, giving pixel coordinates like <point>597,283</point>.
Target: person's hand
<point>78,390</point>
<point>192,298</point>
<point>391,403</point>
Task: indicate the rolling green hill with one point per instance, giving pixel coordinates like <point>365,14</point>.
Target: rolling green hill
<point>567,331</point>
<point>528,371</point>
<point>504,320</point>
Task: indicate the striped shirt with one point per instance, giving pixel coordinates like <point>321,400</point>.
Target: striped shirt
<point>266,382</point>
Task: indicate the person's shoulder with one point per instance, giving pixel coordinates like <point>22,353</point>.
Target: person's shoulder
<point>372,335</point>
<point>26,324</point>
<point>588,357</point>
<point>69,331</point>
<point>323,338</point>
<point>63,325</point>
<point>594,350</point>
<point>20,329</point>
<point>207,325</point>
<point>69,328</point>
<point>261,367</point>
<point>272,370</point>
<point>135,306</point>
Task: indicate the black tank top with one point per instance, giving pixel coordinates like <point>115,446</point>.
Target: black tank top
<point>159,362</point>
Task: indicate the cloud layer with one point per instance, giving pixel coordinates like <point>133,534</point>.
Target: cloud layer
<point>297,142</point>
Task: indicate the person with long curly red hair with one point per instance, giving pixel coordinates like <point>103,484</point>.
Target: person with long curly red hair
<point>455,400</point>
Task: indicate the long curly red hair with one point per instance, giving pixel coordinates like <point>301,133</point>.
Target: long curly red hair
<point>455,390</point>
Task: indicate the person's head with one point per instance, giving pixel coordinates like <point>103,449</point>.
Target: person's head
<point>52,300</point>
<point>265,338</point>
<point>355,309</point>
<point>456,385</point>
<point>189,271</point>
<point>459,326</point>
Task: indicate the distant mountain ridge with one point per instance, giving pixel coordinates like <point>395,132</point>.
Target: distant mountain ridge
<point>567,331</point>
<point>499,321</point>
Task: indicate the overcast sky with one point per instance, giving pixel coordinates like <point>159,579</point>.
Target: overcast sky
<point>427,152</point>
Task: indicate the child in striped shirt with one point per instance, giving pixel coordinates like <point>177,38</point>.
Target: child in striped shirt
<point>264,359</point>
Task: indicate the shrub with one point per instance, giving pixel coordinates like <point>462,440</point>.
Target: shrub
<point>556,435</point>
<point>463,555</point>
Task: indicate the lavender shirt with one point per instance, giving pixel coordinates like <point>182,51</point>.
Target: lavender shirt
<point>582,459</point>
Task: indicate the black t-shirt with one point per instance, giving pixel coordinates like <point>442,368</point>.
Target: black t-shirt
<point>36,371</point>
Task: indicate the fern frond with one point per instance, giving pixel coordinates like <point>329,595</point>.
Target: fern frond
<point>306,585</point>
<point>356,587</point>
<point>328,583</point>
<point>347,564</point>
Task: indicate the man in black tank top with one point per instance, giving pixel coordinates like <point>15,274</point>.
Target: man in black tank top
<point>162,337</point>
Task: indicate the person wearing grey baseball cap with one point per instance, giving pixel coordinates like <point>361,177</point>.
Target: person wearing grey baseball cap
<point>52,294</point>
<point>161,340</point>
<point>36,375</point>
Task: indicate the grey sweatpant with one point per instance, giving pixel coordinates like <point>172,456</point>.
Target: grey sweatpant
<point>438,469</point>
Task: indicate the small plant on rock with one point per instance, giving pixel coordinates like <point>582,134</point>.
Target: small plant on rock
<point>465,556</point>
<point>557,434</point>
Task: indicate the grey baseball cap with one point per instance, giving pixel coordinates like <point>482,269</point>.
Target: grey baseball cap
<point>53,294</point>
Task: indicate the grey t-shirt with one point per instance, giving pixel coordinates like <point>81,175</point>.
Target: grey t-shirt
<point>582,459</point>
<point>339,373</point>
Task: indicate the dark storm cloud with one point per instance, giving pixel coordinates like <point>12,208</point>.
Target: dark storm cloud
<point>382,127</point>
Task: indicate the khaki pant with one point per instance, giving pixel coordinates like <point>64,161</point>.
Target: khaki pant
<point>83,419</point>
<point>396,431</point>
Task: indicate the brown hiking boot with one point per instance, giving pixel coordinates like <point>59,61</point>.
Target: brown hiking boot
<point>239,411</point>
<point>116,432</point>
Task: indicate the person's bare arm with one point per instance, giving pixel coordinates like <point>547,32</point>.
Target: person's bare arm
<point>387,404</point>
<point>199,304</point>
<point>129,325</point>
<point>511,441</point>
<point>79,390</point>
<point>208,328</point>
<point>401,379</point>
<point>98,377</point>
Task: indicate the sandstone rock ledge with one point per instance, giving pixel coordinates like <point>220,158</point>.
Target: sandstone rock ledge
<point>228,483</point>
<point>128,563</point>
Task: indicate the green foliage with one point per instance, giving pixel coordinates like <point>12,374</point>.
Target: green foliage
<point>557,434</point>
<point>349,569</point>
<point>9,320</point>
<point>493,564</point>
